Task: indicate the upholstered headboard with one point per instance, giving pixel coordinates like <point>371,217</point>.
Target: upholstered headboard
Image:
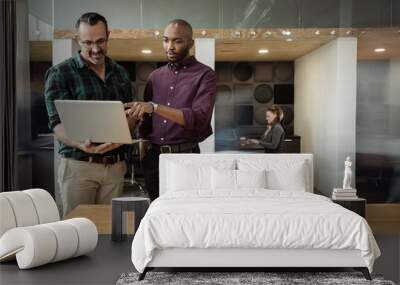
<point>166,160</point>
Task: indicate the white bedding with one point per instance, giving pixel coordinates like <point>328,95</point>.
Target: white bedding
<point>251,218</point>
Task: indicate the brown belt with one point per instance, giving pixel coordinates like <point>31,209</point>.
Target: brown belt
<point>174,148</point>
<point>104,159</point>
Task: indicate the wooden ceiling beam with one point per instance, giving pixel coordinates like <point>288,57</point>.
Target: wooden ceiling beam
<point>241,44</point>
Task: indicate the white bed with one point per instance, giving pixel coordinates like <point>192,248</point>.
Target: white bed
<point>203,220</point>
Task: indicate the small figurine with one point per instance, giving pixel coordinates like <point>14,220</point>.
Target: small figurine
<point>347,174</point>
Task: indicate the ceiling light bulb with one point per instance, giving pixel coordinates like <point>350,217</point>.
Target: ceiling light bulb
<point>146,51</point>
<point>317,32</point>
<point>348,32</point>
<point>268,33</point>
<point>379,50</point>
<point>333,32</point>
<point>157,33</point>
<point>237,33</point>
<point>253,33</point>
<point>286,33</point>
<point>289,40</point>
<point>203,32</point>
<point>263,51</point>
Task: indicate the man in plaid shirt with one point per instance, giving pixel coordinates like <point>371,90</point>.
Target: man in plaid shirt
<point>88,173</point>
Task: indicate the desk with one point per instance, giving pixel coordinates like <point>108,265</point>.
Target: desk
<point>99,214</point>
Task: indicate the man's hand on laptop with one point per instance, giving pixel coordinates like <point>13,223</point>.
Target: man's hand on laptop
<point>138,109</point>
<point>90,147</point>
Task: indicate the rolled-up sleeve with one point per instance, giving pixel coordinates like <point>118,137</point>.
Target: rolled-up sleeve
<point>199,115</point>
<point>55,88</point>
<point>145,126</point>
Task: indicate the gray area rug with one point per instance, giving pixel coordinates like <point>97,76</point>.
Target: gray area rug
<point>242,278</point>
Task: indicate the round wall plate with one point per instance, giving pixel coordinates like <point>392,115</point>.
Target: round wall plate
<point>243,71</point>
<point>263,93</point>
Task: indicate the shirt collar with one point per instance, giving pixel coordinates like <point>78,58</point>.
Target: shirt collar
<point>183,64</point>
<point>79,60</point>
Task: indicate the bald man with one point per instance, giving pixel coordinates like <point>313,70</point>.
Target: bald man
<point>179,100</point>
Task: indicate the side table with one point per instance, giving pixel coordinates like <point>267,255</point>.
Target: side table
<point>357,205</point>
<point>138,205</point>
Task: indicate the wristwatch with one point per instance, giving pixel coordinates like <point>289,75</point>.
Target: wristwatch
<point>155,106</point>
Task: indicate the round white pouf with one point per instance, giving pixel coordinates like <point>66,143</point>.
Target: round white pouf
<point>31,232</point>
<point>37,245</point>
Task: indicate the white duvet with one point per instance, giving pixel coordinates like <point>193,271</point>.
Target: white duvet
<point>252,218</point>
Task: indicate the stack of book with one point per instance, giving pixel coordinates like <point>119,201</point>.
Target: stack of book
<point>344,194</point>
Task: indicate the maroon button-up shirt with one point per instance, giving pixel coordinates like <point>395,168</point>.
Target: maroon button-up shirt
<point>189,87</point>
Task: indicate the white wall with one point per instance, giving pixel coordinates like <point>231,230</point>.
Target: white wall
<point>39,30</point>
<point>325,108</point>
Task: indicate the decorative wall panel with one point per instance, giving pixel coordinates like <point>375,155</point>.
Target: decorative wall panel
<point>245,91</point>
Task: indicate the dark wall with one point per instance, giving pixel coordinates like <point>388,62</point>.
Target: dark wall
<point>245,90</point>
<point>39,119</point>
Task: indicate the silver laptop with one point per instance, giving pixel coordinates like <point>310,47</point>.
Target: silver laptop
<point>99,121</point>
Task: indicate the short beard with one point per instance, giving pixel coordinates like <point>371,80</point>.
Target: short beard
<point>185,53</point>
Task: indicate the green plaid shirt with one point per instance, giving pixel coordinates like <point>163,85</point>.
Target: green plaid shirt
<point>73,79</point>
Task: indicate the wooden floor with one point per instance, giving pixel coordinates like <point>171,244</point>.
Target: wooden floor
<point>100,215</point>
<point>384,218</point>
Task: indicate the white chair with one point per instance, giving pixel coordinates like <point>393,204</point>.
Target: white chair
<point>31,230</point>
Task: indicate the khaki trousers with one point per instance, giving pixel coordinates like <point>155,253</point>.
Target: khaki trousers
<point>84,182</point>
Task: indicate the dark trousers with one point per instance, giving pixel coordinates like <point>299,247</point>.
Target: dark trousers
<point>151,174</point>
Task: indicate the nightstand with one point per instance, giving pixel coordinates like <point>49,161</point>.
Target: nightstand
<point>119,205</point>
<point>356,205</point>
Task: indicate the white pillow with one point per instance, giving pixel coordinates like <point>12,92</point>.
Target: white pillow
<point>189,174</point>
<point>282,174</point>
<point>251,178</point>
<point>227,179</point>
<point>193,174</point>
<point>182,177</point>
<point>293,178</point>
<point>223,179</point>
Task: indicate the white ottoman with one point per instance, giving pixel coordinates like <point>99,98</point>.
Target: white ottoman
<point>31,232</point>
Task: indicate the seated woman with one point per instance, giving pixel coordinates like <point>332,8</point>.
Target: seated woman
<point>274,135</point>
